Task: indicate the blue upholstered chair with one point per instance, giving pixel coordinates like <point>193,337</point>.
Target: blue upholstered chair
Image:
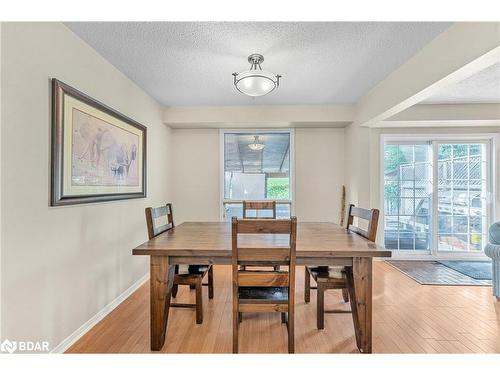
<point>492,250</point>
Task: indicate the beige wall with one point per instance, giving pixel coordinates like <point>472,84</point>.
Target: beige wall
<point>196,173</point>
<point>60,266</point>
<point>357,158</point>
<point>255,116</point>
<point>319,172</point>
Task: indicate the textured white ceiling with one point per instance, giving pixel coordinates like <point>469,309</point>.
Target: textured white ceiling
<point>190,63</point>
<point>482,87</point>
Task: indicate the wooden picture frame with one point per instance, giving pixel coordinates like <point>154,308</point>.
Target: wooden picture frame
<point>97,153</point>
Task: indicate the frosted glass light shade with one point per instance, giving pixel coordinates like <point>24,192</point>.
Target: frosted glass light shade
<point>256,82</point>
<point>256,145</point>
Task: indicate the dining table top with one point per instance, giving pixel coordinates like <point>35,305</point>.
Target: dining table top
<point>314,239</point>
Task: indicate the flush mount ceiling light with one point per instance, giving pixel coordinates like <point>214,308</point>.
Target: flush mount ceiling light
<point>256,82</point>
<point>256,145</point>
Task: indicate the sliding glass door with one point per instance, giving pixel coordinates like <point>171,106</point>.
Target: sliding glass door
<point>436,196</point>
<point>407,196</point>
<point>462,192</point>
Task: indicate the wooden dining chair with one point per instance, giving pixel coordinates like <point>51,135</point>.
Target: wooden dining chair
<point>160,220</point>
<point>339,277</point>
<point>260,290</point>
<point>259,206</point>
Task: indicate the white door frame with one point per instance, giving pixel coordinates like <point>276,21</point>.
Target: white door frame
<point>491,139</point>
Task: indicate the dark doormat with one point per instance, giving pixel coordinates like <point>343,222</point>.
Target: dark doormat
<point>434,273</point>
<point>479,270</point>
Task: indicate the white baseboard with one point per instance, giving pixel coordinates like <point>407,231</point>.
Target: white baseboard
<point>438,257</point>
<point>71,339</point>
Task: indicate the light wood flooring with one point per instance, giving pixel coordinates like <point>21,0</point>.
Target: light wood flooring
<point>407,318</point>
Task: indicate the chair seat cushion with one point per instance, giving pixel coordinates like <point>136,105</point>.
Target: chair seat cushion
<point>327,272</point>
<point>263,293</point>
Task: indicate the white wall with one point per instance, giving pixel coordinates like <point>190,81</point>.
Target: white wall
<point>319,171</point>
<point>60,266</point>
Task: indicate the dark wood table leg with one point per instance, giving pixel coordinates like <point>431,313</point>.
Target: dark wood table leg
<point>362,280</point>
<point>161,281</point>
<point>354,306</point>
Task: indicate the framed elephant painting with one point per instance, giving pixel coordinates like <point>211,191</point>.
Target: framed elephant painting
<point>98,154</point>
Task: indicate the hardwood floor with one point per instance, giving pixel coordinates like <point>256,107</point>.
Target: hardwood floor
<point>407,318</point>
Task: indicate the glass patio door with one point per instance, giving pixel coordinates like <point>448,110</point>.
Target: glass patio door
<point>408,196</point>
<point>462,206</point>
<point>437,196</point>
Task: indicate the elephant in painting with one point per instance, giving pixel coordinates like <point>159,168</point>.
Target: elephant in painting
<point>119,159</point>
<point>102,147</point>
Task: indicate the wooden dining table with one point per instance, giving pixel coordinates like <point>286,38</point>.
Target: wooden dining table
<point>318,243</point>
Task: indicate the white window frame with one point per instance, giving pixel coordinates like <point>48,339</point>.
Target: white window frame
<point>223,132</point>
<point>490,139</point>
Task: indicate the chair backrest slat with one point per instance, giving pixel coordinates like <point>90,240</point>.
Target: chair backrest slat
<point>259,226</point>
<point>152,214</point>
<point>362,213</point>
<point>160,211</point>
<point>267,255</point>
<point>259,205</point>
